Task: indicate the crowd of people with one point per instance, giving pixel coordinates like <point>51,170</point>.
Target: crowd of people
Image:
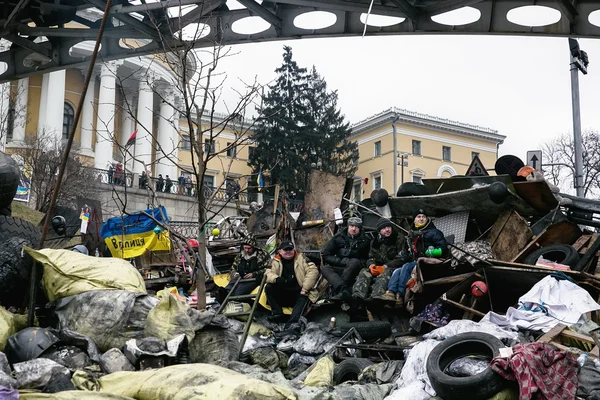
<point>357,269</point>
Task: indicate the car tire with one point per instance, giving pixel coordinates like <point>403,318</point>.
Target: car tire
<point>477,387</point>
<point>350,369</point>
<point>411,189</point>
<point>11,227</point>
<point>380,197</point>
<point>368,330</point>
<point>9,179</point>
<point>560,253</point>
<point>15,271</point>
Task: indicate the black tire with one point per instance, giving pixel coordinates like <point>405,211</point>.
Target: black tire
<point>560,253</point>
<point>369,330</point>
<point>15,271</point>
<point>477,387</point>
<point>16,227</point>
<point>10,176</point>
<point>350,369</point>
<point>411,189</point>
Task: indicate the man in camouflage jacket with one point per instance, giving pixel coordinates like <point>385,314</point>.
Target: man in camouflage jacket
<point>251,262</point>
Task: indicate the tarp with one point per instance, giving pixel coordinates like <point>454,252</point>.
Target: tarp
<point>132,235</point>
<point>68,273</point>
<point>183,382</point>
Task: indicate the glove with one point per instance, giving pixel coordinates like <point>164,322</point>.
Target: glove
<point>431,252</point>
<point>376,270</point>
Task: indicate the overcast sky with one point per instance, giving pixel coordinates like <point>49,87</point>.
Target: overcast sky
<point>519,86</point>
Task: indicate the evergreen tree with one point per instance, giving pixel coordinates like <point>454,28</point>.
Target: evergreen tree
<point>302,127</point>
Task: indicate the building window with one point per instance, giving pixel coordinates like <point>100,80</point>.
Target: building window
<point>474,154</point>
<point>251,151</point>
<point>209,146</point>
<point>186,144</point>
<point>68,118</point>
<point>446,153</point>
<point>417,179</point>
<point>376,182</point>
<point>416,147</point>
<point>377,148</point>
<point>357,192</point>
<point>231,150</point>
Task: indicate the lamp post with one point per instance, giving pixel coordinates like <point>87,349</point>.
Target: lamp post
<point>579,62</point>
<point>403,162</point>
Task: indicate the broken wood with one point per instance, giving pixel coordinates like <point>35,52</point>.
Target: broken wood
<point>582,242</point>
<point>560,233</point>
<point>463,307</point>
<point>591,252</point>
<point>449,279</point>
<point>509,235</point>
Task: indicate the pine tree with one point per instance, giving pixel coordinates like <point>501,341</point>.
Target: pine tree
<point>302,128</point>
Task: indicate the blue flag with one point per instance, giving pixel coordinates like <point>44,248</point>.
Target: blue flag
<point>259,179</point>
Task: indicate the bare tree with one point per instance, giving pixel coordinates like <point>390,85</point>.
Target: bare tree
<point>40,157</point>
<point>561,154</point>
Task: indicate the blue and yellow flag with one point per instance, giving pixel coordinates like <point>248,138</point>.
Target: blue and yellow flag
<point>259,179</point>
<point>133,235</point>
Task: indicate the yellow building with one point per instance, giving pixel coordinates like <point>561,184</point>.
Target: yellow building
<point>397,146</point>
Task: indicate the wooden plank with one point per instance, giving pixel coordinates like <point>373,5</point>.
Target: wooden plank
<point>582,242</point>
<point>528,249</point>
<point>509,235</point>
<point>552,334</point>
<point>537,194</point>
<point>560,233</point>
<point>577,336</point>
<point>463,307</point>
<point>450,279</point>
<point>591,252</point>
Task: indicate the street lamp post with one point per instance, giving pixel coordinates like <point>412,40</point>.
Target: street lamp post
<point>579,62</point>
<point>404,163</point>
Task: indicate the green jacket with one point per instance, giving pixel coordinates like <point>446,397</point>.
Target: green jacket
<point>256,264</point>
<point>390,251</point>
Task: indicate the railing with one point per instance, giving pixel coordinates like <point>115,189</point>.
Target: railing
<point>121,178</point>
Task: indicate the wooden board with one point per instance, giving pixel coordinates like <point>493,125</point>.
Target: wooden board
<point>537,195</point>
<point>560,233</point>
<point>582,243</point>
<point>509,235</point>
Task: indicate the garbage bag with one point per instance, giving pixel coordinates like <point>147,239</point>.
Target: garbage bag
<point>8,393</point>
<point>152,347</point>
<point>385,372</point>
<point>4,364</point>
<point>83,342</point>
<point>37,373</point>
<point>467,366</point>
<point>256,342</point>
<point>59,383</point>
<point>213,345</point>
<point>321,374</point>
<point>169,319</point>
<point>114,361</point>
<point>287,344</point>
<point>413,383</point>
<point>267,358</point>
<point>508,394</point>
<point>7,381</point>
<point>297,359</point>
<point>109,317</point>
<point>70,395</point>
<point>68,273</point>
<point>464,325</point>
<point>347,391</point>
<point>183,382</point>
<point>70,357</point>
<point>29,344</point>
<point>315,341</point>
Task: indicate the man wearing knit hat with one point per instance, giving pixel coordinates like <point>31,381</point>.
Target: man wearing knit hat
<point>344,256</point>
<point>387,252</point>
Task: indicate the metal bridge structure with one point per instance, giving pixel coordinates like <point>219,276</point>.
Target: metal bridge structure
<point>40,36</point>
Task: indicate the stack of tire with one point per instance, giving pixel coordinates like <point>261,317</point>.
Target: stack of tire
<point>15,265</point>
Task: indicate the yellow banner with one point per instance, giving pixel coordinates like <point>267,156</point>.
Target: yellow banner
<point>136,244</point>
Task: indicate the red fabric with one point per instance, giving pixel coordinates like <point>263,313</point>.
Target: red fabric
<point>542,371</point>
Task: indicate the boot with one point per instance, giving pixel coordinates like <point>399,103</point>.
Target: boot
<point>399,300</point>
<point>388,296</point>
<point>343,295</point>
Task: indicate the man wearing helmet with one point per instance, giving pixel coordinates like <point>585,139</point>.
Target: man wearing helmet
<point>251,262</point>
<point>344,256</point>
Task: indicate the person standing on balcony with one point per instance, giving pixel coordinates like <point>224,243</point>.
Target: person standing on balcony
<point>181,185</point>
<point>143,180</point>
<point>160,183</point>
<point>111,171</point>
<point>118,175</point>
<point>188,185</point>
<point>168,184</point>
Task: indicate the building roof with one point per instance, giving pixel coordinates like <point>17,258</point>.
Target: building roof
<point>395,114</point>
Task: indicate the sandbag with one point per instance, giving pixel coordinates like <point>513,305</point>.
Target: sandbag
<point>214,345</point>
<point>169,319</point>
<point>321,374</point>
<point>267,358</point>
<point>37,373</point>
<point>315,341</point>
<point>384,372</point>
<point>7,326</point>
<point>68,273</point>
<point>184,382</point>
<point>71,395</point>
<point>345,391</point>
<point>108,317</point>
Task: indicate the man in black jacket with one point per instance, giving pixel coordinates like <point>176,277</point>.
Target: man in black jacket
<point>344,256</point>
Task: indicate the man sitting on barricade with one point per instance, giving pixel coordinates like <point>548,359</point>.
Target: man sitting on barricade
<point>344,256</point>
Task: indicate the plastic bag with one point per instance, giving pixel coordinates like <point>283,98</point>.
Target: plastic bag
<point>464,325</point>
<point>68,273</point>
<point>347,391</point>
<point>214,345</point>
<point>109,317</point>
<point>256,342</point>
<point>154,347</point>
<point>467,366</point>
<point>169,319</point>
<point>413,383</point>
<point>37,373</point>
<point>7,326</point>
<point>183,382</point>
<point>385,372</point>
<point>315,341</point>
<point>267,358</point>
<point>321,374</point>
<point>71,395</point>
